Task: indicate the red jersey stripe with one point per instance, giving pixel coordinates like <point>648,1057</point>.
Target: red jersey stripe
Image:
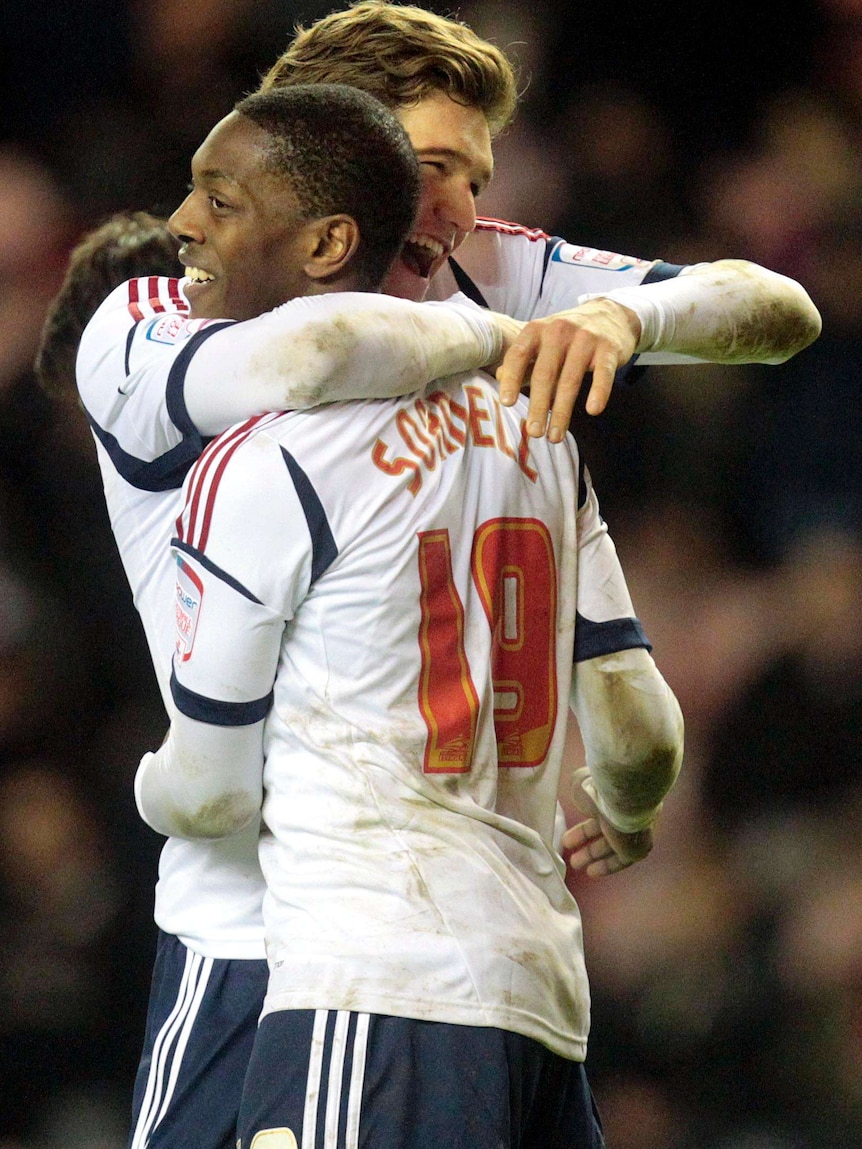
<point>488,223</point>
<point>134,309</point>
<point>176,295</point>
<point>201,491</point>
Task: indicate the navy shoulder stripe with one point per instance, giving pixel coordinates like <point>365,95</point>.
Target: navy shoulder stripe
<point>466,284</point>
<point>323,548</point>
<point>166,473</point>
<point>596,638</point>
<point>662,270</point>
<point>177,376</point>
<point>582,483</point>
<point>550,244</point>
<point>216,713</point>
<point>207,564</point>
<point>130,338</point>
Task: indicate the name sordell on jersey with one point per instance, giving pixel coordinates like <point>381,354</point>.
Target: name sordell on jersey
<point>438,426</point>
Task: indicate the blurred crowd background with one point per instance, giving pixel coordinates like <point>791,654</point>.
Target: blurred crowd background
<point>727,969</point>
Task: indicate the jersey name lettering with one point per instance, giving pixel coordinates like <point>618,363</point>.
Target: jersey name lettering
<point>438,426</point>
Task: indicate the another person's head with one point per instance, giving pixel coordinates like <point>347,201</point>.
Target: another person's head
<point>127,245</point>
<point>452,91</point>
<point>297,191</point>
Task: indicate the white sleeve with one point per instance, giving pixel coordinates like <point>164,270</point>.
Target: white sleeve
<point>157,382</point>
<point>629,719</point>
<point>730,311</point>
<point>632,730</point>
<point>240,571</point>
<point>605,620</point>
<point>324,348</point>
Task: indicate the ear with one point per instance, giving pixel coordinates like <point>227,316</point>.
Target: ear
<point>334,241</point>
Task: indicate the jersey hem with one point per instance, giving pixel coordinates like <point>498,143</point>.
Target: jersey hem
<point>223,950</point>
<point>571,1046</point>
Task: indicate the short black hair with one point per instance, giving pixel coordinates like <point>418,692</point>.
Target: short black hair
<point>124,246</point>
<point>343,152</point>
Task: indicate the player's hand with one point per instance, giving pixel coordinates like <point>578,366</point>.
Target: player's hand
<point>598,848</point>
<point>551,356</point>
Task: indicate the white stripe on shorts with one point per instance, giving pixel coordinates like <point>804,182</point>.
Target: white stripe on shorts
<point>169,1046</point>
<point>335,1078</point>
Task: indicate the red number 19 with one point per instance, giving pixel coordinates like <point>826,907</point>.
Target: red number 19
<point>513,569</point>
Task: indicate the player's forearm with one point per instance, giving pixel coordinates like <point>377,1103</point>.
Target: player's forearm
<point>205,781</point>
<point>632,730</point>
<point>328,348</point>
<point>730,311</point>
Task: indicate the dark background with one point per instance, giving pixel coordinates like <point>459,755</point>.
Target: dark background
<point>727,969</point>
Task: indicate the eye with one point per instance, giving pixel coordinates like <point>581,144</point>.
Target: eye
<point>218,204</point>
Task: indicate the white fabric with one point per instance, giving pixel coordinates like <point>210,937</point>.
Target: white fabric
<point>409,855</point>
<point>137,389</point>
<point>714,312</point>
<point>632,730</point>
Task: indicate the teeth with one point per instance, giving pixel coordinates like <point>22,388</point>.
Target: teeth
<point>431,245</point>
<point>198,276</point>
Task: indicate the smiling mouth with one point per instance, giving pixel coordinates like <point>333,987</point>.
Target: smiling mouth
<point>419,254</point>
<point>196,275</point>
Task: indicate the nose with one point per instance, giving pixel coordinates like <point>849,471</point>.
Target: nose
<point>456,206</point>
<point>183,224</point>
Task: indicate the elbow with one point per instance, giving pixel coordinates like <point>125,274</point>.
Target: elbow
<point>648,765</point>
<point>780,318</point>
<point>657,770</point>
<point>798,326</point>
<point>220,817</point>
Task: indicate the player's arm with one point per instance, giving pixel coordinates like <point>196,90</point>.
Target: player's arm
<point>629,719</point>
<point>590,311</point>
<point>240,563</point>
<point>309,351</point>
<point>319,349</point>
<point>730,311</point>
<point>632,730</point>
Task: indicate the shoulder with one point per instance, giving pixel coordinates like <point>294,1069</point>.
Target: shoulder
<point>154,301</point>
<point>525,272</point>
<point>240,474</point>
<point>143,298</point>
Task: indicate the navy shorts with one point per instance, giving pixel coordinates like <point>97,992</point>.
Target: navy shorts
<point>326,1079</point>
<point>201,1024</point>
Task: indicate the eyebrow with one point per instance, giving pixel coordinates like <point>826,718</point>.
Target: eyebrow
<point>215,174</point>
<point>486,174</point>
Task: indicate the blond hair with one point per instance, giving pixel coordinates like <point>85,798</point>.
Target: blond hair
<point>401,54</point>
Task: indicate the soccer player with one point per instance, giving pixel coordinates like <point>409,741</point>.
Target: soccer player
<point>454,92</point>
<point>408,574</point>
<point>154,383</point>
<point>209,894</point>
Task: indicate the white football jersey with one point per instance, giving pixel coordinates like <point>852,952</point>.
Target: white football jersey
<point>413,569</point>
<point>154,384</point>
<point>528,274</point>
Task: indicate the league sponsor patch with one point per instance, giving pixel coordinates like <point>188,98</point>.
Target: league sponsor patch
<point>592,257</point>
<point>189,595</point>
<point>172,328</point>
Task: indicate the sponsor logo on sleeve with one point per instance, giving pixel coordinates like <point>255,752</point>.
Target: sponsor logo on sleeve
<point>173,328</point>
<point>189,596</point>
<point>591,257</point>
